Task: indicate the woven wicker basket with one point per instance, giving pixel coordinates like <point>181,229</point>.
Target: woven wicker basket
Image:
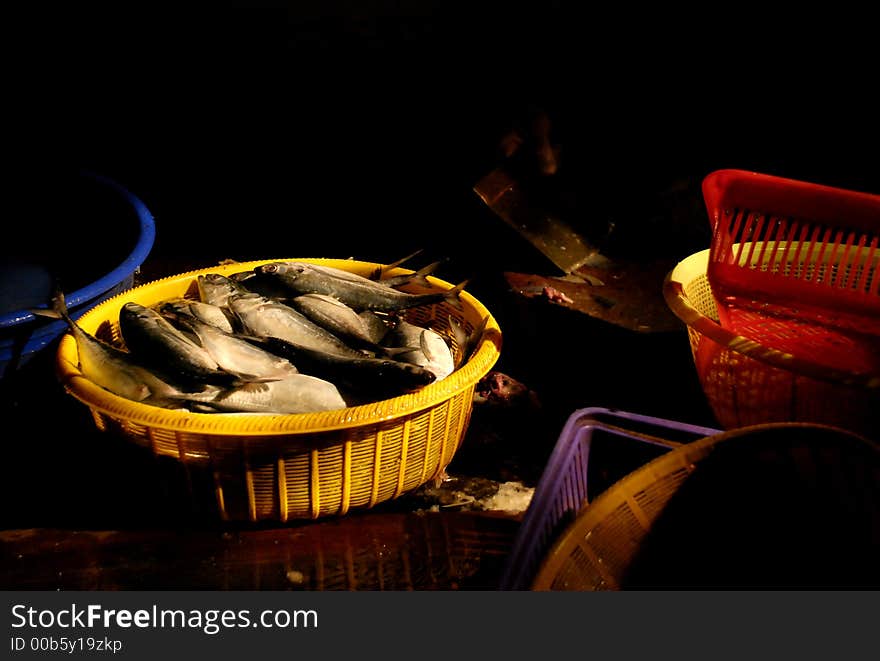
<point>783,505</point>
<point>304,466</point>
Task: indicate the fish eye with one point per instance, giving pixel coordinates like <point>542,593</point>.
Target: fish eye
<point>270,268</point>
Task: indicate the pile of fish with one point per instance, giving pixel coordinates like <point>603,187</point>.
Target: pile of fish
<point>285,337</point>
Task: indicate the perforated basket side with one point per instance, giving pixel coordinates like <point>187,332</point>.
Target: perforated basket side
<point>747,383</point>
<point>563,488</point>
<point>793,503</point>
<point>596,549</point>
<point>795,249</point>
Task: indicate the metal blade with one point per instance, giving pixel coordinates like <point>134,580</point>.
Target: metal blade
<point>554,238</point>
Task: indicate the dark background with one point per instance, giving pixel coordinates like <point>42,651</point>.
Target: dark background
<point>359,128</point>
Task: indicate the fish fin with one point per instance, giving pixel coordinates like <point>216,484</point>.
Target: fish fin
<point>225,393</point>
<point>252,382</point>
<point>164,402</point>
<point>379,271</point>
<point>423,343</point>
<point>241,276</point>
<point>404,260</point>
<point>58,306</point>
<point>467,342</point>
<point>393,352</point>
<point>460,337</point>
<point>45,312</point>
<point>251,386</point>
<point>200,407</point>
<point>452,295</point>
<point>474,338</point>
<point>420,277</point>
<point>458,332</point>
<point>186,325</point>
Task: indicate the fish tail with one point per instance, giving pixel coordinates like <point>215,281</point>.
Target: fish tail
<point>58,309</point>
<point>452,296</point>
<point>458,332</point>
<point>467,342</point>
<point>420,277</point>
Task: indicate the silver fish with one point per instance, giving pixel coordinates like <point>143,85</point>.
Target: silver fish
<point>263,317</point>
<point>375,376</point>
<point>354,290</point>
<point>164,349</point>
<point>208,313</point>
<point>216,289</point>
<point>111,368</point>
<point>433,353</point>
<point>336,317</point>
<point>297,393</point>
<point>238,356</point>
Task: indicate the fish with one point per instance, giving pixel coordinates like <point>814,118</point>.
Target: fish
<point>296,393</point>
<point>376,376</point>
<point>236,355</point>
<point>336,317</point>
<point>209,313</point>
<point>354,290</point>
<point>262,316</point>
<point>216,289</point>
<point>165,349</point>
<point>112,368</point>
<point>431,350</point>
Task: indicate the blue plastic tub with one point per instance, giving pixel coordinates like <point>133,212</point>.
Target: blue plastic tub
<point>102,216</point>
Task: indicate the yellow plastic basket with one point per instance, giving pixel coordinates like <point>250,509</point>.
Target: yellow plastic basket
<point>778,505</point>
<point>303,466</point>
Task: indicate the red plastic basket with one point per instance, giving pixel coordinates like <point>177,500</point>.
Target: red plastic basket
<point>794,265</point>
<point>748,383</point>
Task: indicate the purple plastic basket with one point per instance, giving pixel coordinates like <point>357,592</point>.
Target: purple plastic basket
<point>563,489</point>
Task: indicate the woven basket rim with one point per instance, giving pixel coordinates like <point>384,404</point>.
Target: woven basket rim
<point>693,267</point>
